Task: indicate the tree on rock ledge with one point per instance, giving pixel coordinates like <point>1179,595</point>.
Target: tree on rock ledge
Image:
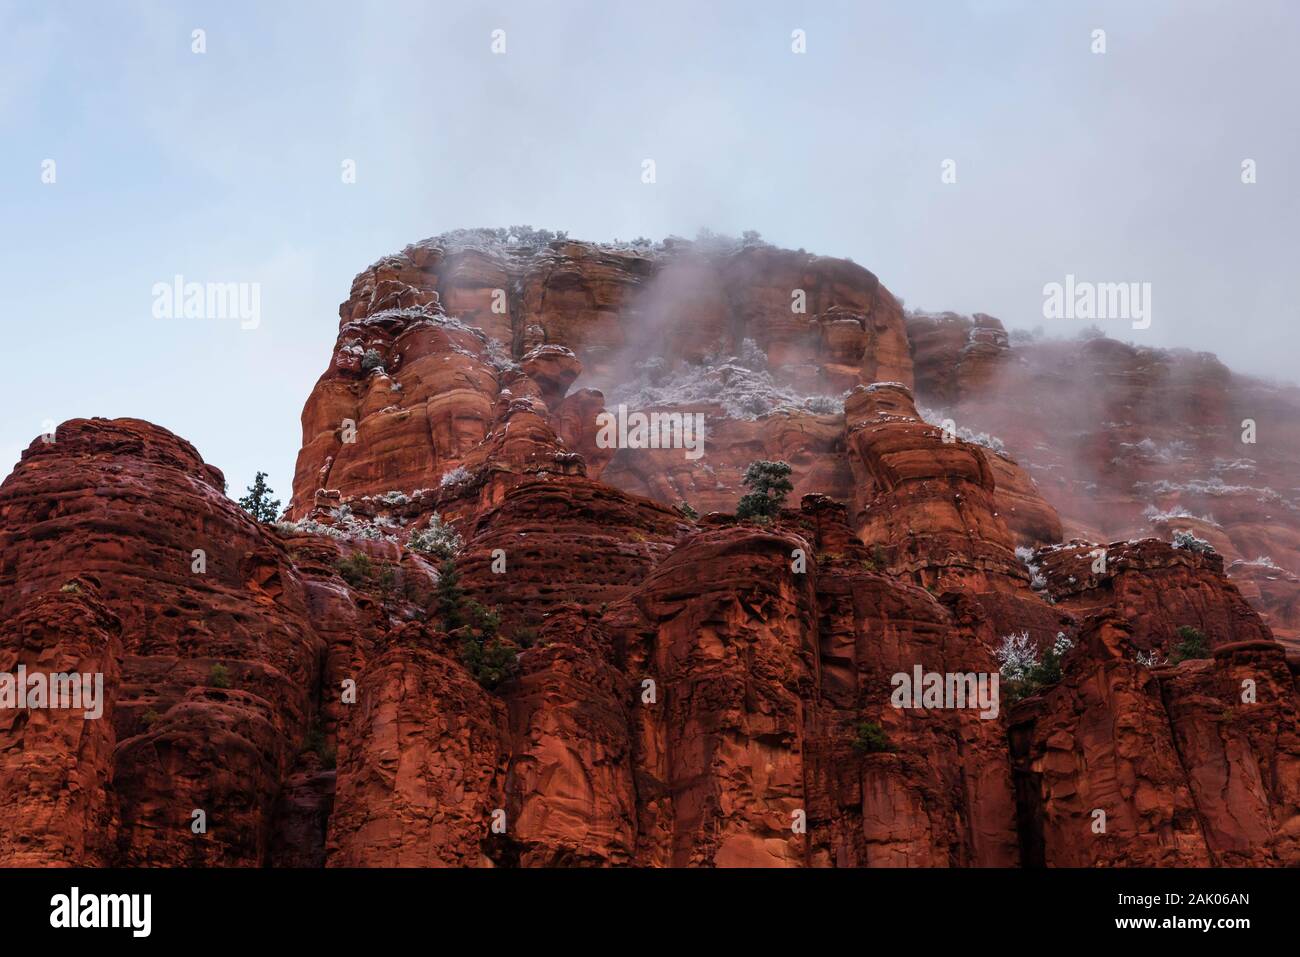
<point>490,658</point>
<point>771,484</point>
<point>258,502</point>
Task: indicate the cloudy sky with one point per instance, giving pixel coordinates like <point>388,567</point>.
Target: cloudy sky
<point>225,166</point>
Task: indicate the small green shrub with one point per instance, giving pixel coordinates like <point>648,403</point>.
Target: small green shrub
<point>386,582</point>
<point>490,661</point>
<point>688,511</point>
<point>219,676</point>
<point>870,738</point>
<point>877,562</point>
<point>1193,645</point>
<point>356,569</point>
<point>316,744</point>
<point>490,658</point>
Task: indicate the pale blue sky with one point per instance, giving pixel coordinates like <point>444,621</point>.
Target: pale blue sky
<point>225,166</point>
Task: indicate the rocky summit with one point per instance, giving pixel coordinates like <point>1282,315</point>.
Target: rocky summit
<point>1027,601</point>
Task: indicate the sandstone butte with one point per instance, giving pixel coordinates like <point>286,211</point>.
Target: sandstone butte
<point>451,390</point>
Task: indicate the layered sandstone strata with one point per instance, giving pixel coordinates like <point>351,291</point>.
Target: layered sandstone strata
<point>429,339</point>
<point>690,689</point>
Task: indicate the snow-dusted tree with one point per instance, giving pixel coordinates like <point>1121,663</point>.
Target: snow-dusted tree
<point>1150,659</point>
<point>439,539</point>
<point>1183,538</point>
<point>454,477</point>
<point>1017,656</point>
<point>1024,670</point>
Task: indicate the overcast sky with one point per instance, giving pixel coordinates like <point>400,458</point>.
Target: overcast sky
<point>225,166</point>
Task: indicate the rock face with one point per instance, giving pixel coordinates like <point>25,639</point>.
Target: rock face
<point>57,765</point>
<point>200,629</point>
<point>419,774</point>
<point>834,687</point>
<point>1125,765</point>
<point>1156,587</point>
<point>1130,442</point>
<point>425,364</point>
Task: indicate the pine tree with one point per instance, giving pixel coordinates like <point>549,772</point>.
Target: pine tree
<point>490,658</point>
<point>258,501</point>
<point>451,600</point>
<point>771,484</point>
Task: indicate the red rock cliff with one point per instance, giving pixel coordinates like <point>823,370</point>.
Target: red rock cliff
<point>683,688</point>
